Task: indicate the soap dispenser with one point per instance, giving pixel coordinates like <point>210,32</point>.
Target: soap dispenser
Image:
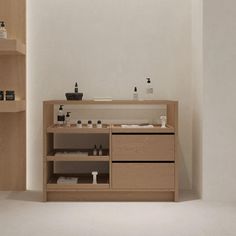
<point>60,116</point>
<point>68,119</point>
<point>100,151</point>
<point>76,88</point>
<point>149,90</point>
<point>3,31</point>
<point>135,94</point>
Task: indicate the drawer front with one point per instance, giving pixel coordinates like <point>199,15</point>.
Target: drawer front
<point>143,175</point>
<point>143,147</point>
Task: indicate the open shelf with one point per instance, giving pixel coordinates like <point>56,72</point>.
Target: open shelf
<point>84,182</point>
<point>56,129</point>
<point>70,156</point>
<point>12,106</point>
<point>77,158</point>
<point>12,47</point>
<point>155,129</point>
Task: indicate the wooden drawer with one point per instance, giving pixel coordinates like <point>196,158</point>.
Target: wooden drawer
<point>143,147</point>
<point>143,176</point>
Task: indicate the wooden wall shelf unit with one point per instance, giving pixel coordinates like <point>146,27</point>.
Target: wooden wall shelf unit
<point>13,113</point>
<point>142,162</point>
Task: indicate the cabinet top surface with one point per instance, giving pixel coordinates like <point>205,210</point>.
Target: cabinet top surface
<point>120,102</point>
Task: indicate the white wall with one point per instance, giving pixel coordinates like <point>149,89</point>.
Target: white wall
<point>197,92</point>
<point>108,47</point>
<point>219,133</point>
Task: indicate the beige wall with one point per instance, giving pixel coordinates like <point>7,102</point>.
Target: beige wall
<point>197,92</point>
<point>219,133</point>
<point>108,47</point>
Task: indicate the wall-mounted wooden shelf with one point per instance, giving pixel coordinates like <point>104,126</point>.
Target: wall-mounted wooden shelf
<point>12,47</point>
<point>12,106</point>
<point>13,113</point>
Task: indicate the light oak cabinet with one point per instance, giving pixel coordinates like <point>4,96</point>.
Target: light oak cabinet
<point>138,164</point>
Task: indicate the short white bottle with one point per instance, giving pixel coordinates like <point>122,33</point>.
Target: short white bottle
<point>3,31</point>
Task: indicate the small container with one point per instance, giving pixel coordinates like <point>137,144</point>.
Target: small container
<point>163,121</point>
<point>3,31</point>
<point>100,151</point>
<point>94,174</point>
<point>60,116</point>
<point>79,124</point>
<point>99,124</point>
<point>90,124</point>
<point>10,95</point>
<point>1,95</point>
<point>149,90</point>
<point>135,94</point>
<point>95,151</point>
<point>76,88</point>
<point>68,123</point>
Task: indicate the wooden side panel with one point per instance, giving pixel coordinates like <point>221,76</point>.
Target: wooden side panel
<point>47,146</point>
<point>143,147</point>
<point>143,176</point>
<point>13,151</point>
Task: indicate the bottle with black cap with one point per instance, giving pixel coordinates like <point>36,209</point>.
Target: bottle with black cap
<point>135,94</point>
<point>3,31</point>
<point>79,124</point>
<point>60,116</point>
<point>68,119</point>
<point>149,89</point>
<point>76,88</point>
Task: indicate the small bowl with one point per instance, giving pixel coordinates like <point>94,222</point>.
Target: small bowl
<point>74,96</point>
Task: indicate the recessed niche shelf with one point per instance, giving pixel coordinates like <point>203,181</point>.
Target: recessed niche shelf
<point>12,47</point>
<point>12,106</point>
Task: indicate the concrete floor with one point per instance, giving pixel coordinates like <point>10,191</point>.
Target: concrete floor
<point>23,214</point>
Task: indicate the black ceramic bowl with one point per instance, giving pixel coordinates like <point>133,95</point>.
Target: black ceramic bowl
<point>74,96</point>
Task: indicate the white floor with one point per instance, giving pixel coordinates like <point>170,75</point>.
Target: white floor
<point>23,214</point>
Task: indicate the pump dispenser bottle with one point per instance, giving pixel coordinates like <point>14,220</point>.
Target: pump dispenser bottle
<point>135,94</point>
<point>149,90</point>
<point>76,88</point>
<point>68,119</point>
<point>3,31</point>
<point>60,116</point>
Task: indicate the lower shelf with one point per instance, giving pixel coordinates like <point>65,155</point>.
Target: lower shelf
<point>84,182</point>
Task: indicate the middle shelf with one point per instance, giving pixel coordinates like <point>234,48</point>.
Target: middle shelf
<point>77,158</point>
<point>73,129</point>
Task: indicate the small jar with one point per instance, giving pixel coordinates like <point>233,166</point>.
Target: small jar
<point>90,124</point>
<point>79,124</point>
<point>10,95</point>
<point>99,124</point>
<point>1,95</point>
